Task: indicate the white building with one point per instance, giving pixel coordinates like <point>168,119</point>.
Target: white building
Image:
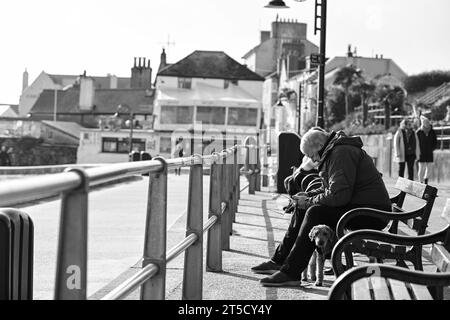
<point>210,93</point>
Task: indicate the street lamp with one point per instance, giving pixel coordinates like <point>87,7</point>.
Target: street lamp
<point>130,112</point>
<point>322,4</point>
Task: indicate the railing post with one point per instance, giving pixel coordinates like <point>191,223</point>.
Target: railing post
<point>214,245</point>
<point>225,217</point>
<point>155,234</point>
<point>193,257</point>
<point>229,180</point>
<point>235,180</point>
<point>258,165</point>
<point>71,264</point>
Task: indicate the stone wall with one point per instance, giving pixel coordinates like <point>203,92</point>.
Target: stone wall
<point>380,148</point>
<point>33,152</point>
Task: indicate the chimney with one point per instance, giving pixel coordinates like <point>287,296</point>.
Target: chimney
<point>381,56</point>
<point>265,35</point>
<point>355,52</point>
<point>25,80</point>
<point>349,51</point>
<point>87,92</point>
<point>135,61</point>
<point>163,61</point>
<point>112,81</point>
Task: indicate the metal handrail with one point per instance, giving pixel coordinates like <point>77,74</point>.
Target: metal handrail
<point>132,283</point>
<point>74,185</point>
<point>38,188</point>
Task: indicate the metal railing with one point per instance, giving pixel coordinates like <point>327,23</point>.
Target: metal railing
<point>443,136</point>
<point>73,185</point>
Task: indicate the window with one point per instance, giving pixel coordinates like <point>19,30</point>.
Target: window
<point>185,83</point>
<point>177,115</point>
<point>122,145</point>
<point>226,83</point>
<point>109,144</point>
<point>165,144</point>
<point>242,117</point>
<point>211,115</point>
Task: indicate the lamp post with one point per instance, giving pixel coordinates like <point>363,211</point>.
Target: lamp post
<point>130,111</point>
<point>322,4</point>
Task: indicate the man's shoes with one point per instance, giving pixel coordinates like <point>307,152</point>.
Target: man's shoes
<point>280,279</point>
<point>328,271</point>
<point>268,267</point>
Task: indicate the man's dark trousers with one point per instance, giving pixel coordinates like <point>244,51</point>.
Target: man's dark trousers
<point>297,248</point>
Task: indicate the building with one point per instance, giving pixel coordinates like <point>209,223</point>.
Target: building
<point>141,73</point>
<point>84,104</point>
<point>283,52</point>
<point>286,41</point>
<point>207,94</point>
<point>9,111</point>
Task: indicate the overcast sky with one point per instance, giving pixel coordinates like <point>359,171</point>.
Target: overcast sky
<point>103,36</point>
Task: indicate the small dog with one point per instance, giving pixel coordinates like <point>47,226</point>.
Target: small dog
<point>324,239</point>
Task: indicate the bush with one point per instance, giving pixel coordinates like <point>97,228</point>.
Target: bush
<point>422,81</point>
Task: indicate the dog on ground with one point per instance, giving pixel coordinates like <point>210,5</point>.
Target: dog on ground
<point>325,239</point>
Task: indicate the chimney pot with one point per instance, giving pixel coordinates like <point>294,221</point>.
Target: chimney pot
<point>135,61</point>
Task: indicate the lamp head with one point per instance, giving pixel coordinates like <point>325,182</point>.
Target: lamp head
<point>277,4</point>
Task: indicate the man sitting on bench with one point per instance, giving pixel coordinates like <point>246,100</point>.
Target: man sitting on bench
<point>349,180</point>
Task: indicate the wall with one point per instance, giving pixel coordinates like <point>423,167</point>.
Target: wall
<point>379,147</point>
<point>30,151</point>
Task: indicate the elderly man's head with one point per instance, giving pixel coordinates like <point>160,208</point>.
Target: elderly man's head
<point>312,142</point>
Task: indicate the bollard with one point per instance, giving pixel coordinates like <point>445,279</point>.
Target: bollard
<point>16,255</point>
<point>155,234</point>
<point>193,257</point>
<point>71,265</point>
<point>214,245</point>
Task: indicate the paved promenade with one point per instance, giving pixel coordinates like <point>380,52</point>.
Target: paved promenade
<point>259,227</point>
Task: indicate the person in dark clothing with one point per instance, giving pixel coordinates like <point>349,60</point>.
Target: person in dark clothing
<point>427,144</point>
<point>349,180</point>
<point>406,148</point>
<point>5,160</point>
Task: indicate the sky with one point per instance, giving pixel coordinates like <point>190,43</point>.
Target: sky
<point>104,36</point>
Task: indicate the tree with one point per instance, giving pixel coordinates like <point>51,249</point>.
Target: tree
<point>365,89</point>
<point>346,78</point>
<point>335,105</point>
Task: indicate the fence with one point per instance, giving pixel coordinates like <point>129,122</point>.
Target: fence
<point>74,185</point>
<point>443,136</point>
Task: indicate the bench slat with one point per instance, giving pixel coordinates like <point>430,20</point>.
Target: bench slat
<point>399,290</point>
<point>446,213</point>
<point>413,188</point>
<point>361,290</point>
<point>380,288</point>
<point>420,292</point>
<point>440,257</point>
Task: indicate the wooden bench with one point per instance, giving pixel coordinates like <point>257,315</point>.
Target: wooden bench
<point>383,282</point>
<point>416,221</point>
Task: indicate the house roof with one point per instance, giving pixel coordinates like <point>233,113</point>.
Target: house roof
<point>8,110</point>
<point>70,128</point>
<point>100,82</point>
<point>210,64</point>
<point>105,101</point>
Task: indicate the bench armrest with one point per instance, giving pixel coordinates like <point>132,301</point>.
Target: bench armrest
<point>344,243</point>
<point>344,281</point>
<point>370,212</point>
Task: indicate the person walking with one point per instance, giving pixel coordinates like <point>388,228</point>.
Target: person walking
<point>406,148</point>
<point>349,180</point>
<point>427,144</point>
<point>5,160</point>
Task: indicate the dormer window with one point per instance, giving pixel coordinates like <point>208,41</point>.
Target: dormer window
<point>226,83</point>
<point>185,83</point>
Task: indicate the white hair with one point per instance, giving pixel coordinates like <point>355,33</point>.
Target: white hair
<point>313,138</point>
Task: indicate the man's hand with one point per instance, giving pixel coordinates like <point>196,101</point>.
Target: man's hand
<point>300,198</point>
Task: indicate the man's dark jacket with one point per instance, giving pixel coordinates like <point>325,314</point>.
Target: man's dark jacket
<point>349,176</point>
